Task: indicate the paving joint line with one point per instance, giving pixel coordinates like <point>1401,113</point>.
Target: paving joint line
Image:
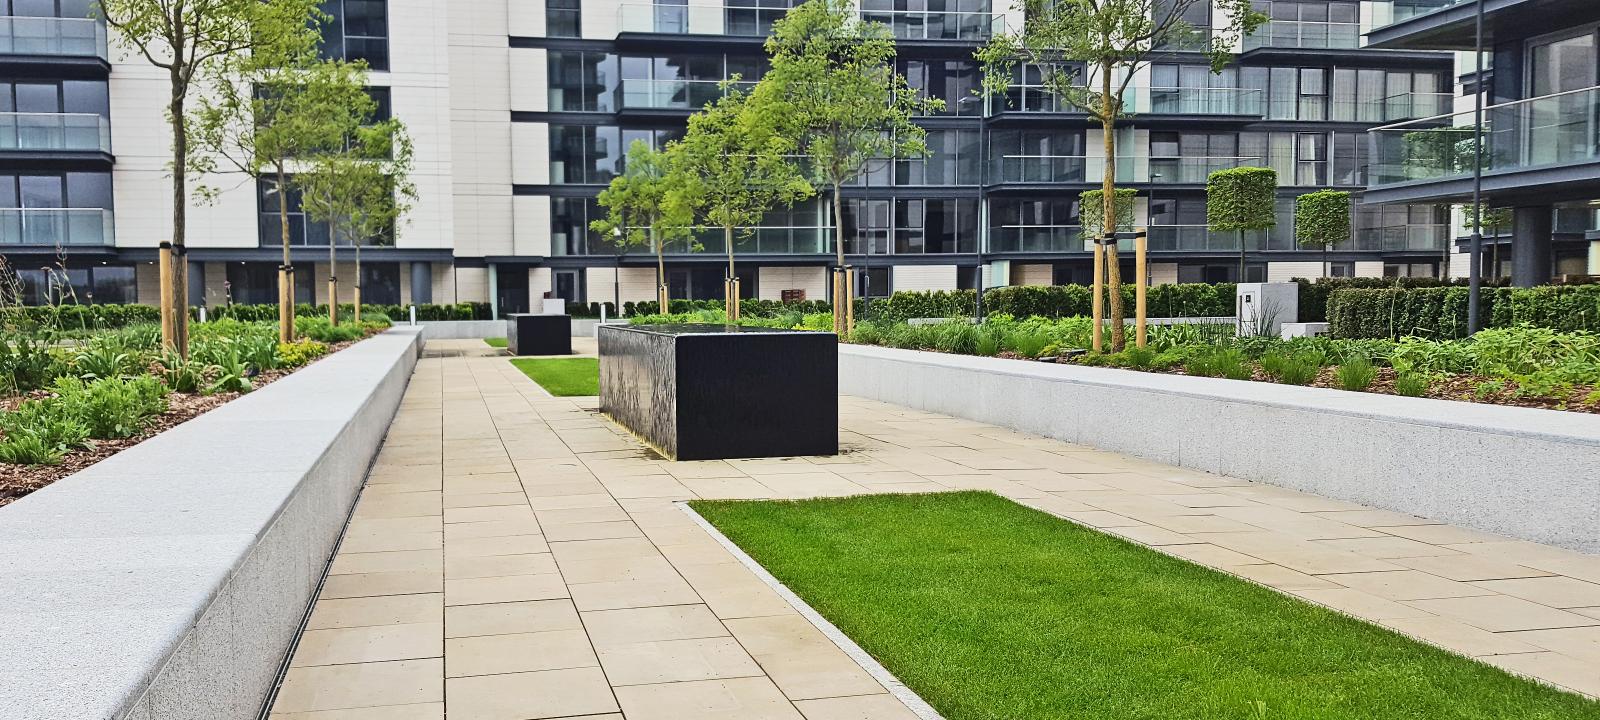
<point>861,657</point>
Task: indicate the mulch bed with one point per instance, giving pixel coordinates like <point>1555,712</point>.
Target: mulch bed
<point>19,480</point>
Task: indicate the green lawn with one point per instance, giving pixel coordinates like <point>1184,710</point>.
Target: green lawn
<point>563,377</point>
<point>495,342</point>
<point>993,611</point>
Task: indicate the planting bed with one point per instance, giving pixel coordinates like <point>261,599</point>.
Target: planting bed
<point>44,437</point>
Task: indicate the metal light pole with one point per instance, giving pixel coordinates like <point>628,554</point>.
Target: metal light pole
<point>1475,258</point>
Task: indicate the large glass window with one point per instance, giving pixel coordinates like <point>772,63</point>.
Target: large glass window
<point>46,8</point>
<point>953,81</point>
<point>584,154</point>
<point>910,226</point>
<point>1562,65</point>
<point>357,30</point>
<point>303,231</point>
<point>582,81</point>
<point>380,283</point>
<point>563,18</point>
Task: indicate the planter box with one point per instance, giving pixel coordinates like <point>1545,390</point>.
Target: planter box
<point>170,580</point>
<point>1530,474</point>
<point>528,334</point>
<point>705,392</point>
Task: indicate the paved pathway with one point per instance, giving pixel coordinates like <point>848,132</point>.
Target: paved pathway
<point>516,556</point>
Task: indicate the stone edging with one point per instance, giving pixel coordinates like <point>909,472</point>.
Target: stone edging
<point>904,694</point>
<point>1527,473</point>
<point>170,579</point>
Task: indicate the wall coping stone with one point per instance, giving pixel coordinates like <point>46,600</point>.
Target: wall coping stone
<point>1532,423</point>
<point>167,580</point>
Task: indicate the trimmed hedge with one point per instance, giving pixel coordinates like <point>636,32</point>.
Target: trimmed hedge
<point>397,313</point>
<point>88,317</point>
<point>1441,312</point>
<point>1314,293</point>
<point>81,317</point>
<point>749,307</point>
<point>1054,301</point>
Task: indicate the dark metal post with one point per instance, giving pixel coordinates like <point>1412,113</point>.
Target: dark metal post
<point>1475,256</point>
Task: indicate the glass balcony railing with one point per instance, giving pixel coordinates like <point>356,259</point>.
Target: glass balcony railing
<point>55,227</point>
<point>1316,35</point>
<point>1137,169</point>
<point>1201,238</point>
<point>750,21</point>
<point>937,25</point>
<point>1409,106</point>
<point>1389,12</point>
<point>1036,239</point>
<point>1194,169</point>
<point>671,94</point>
<point>1561,129</point>
<point>54,131</point>
<point>1398,238</point>
<point>1205,101</point>
<point>52,36</point>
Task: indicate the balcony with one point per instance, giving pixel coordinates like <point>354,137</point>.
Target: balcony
<point>1036,239</point>
<point>755,22</point>
<point>1546,146</point>
<point>73,132</point>
<point>1410,106</point>
<point>1201,238</point>
<point>55,227</point>
<point>1203,101</point>
<point>62,37</point>
<point>1077,169</point>
<point>672,94</point>
<point>938,25</point>
<point>1398,238</point>
<point>1305,35</point>
<point>1403,10</point>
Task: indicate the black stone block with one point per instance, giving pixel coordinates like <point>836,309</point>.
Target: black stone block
<point>528,334</point>
<point>706,392</point>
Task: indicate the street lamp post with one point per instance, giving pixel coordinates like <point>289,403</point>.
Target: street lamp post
<point>1475,258</point>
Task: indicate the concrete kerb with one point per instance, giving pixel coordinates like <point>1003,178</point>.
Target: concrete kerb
<point>168,581</point>
<point>1530,474</point>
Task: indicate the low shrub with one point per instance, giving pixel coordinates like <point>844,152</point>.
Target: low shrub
<point>1440,313</point>
<point>1227,363</point>
<point>1411,385</point>
<point>300,352</point>
<point>112,408</point>
<point>1291,369</point>
<point>1356,373</point>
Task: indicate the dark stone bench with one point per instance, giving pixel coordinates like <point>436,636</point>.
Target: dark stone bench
<point>529,334</point>
<point>705,392</point>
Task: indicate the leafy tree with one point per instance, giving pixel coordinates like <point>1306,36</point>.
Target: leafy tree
<point>361,190</point>
<point>1106,42</point>
<point>732,166</point>
<point>1322,220</point>
<point>283,108</point>
<point>201,42</point>
<point>834,89</point>
<point>644,207</point>
<point>1241,199</point>
<point>1091,216</point>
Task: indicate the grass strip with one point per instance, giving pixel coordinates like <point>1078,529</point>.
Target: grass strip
<point>495,342</point>
<point>563,377</point>
<point>994,611</point>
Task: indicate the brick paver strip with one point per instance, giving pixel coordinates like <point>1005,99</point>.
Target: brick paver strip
<point>518,555</point>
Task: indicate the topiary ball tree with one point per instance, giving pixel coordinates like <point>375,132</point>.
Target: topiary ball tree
<point>1241,199</point>
<point>1322,220</point>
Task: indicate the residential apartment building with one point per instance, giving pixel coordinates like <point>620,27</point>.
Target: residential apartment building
<point>1541,129</point>
<point>522,111</point>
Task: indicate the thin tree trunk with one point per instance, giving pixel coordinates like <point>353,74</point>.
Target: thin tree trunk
<point>286,278</point>
<point>842,291</point>
<point>357,282</point>
<point>333,277</point>
<point>178,291</point>
<point>730,292</point>
<point>661,275</point>
<point>1241,256</point>
<point>1108,187</point>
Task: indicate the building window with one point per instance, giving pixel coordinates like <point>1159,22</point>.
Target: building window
<point>303,231</point>
<point>563,18</point>
<point>1342,269</point>
<point>357,30</point>
<point>47,8</point>
<point>873,282</point>
<point>380,283</point>
<point>582,81</point>
<point>953,81</point>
